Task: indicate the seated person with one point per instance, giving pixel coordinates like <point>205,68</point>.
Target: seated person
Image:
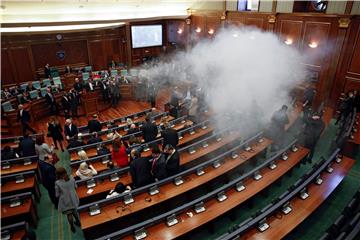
<point>75,142</point>
<point>119,189</point>
<point>85,171</point>
<point>24,98</point>
<point>133,129</point>
<point>8,153</point>
<point>102,150</point>
<point>94,138</point>
<point>30,87</point>
<point>70,129</point>
<point>82,155</point>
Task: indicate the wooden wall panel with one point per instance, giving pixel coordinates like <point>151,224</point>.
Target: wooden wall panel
<point>172,32</point>
<point>291,30</point>
<point>355,58</point>
<point>256,22</point>
<point>75,52</point>
<point>96,53</point>
<point>6,72</point>
<point>21,61</point>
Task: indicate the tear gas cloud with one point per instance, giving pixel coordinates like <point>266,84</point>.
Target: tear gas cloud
<point>242,70</point>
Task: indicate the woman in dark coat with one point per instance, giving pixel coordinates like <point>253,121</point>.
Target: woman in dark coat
<point>55,131</point>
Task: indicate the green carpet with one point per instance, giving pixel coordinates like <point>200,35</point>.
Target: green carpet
<point>53,225</point>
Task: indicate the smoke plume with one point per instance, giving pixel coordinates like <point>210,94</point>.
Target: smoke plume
<point>242,70</point>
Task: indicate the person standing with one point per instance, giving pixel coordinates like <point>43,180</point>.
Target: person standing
<point>314,126</point>
<point>152,94</point>
<point>27,146</point>
<point>65,190</point>
<point>51,101</point>
<point>94,125</point>
<point>55,131</point>
<point>48,177</point>
<point>139,169</point>
<point>169,136</point>
<point>149,130</point>
<point>47,71</point>
<point>42,149</point>
<point>158,164</point>
<point>119,154</point>
<point>65,103</point>
<point>74,103</point>
<point>172,160</point>
<point>24,117</point>
<point>70,129</point>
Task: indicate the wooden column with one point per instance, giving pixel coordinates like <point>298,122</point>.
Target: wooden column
<point>128,44</point>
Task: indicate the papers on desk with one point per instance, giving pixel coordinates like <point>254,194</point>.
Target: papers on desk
<point>89,191</point>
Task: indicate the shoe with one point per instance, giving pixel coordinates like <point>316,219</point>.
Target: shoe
<point>77,223</point>
<point>73,228</point>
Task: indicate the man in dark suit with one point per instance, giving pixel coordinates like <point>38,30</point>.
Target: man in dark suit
<point>140,168</point>
<point>133,129</point>
<point>104,91</point>
<point>169,136</point>
<point>27,146</point>
<point>77,85</point>
<point>314,126</point>
<point>172,160</point>
<point>47,71</point>
<point>70,130</point>
<point>74,103</point>
<point>149,130</point>
<point>24,117</point>
<point>94,138</point>
<point>75,142</point>
<point>94,125</point>
<point>90,85</point>
<point>51,101</point>
<point>65,103</point>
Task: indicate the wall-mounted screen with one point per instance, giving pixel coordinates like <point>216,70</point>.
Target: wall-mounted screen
<point>146,36</point>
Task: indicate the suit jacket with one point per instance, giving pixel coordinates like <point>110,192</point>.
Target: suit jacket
<point>140,172</point>
<point>50,101</point>
<point>94,140</point>
<point>47,72</point>
<point>87,86</point>
<point>71,131</point>
<point>24,100</point>
<point>173,164</point>
<point>25,118</point>
<point>65,102</point>
<point>149,131</point>
<point>78,87</point>
<point>48,175</point>
<point>170,136</point>
<point>94,126</point>
<point>73,144</point>
<point>27,146</point>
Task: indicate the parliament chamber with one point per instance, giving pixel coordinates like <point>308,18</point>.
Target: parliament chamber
<point>225,119</point>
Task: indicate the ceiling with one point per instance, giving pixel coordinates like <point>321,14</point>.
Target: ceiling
<point>30,12</point>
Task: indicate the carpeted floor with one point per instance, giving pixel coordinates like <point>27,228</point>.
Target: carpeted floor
<point>53,225</point>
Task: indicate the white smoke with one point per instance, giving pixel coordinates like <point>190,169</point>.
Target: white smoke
<point>238,69</point>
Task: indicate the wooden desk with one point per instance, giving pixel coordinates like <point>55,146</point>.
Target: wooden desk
<point>185,158</point>
<point>215,208</point>
<point>17,168</point>
<point>187,138</point>
<point>169,190</point>
<point>29,185</point>
<point>301,209</point>
<point>26,211</point>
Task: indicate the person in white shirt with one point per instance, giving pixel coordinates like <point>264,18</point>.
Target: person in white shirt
<point>85,171</point>
<point>119,189</point>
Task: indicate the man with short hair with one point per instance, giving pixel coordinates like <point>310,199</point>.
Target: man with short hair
<point>169,136</point>
<point>51,101</point>
<point>27,146</point>
<point>24,117</point>
<point>94,125</point>
<point>149,130</point>
<point>70,129</point>
<point>140,168</point>
<point>172,160</point>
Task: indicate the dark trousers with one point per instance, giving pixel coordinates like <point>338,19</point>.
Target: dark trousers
<point>60,143</point>
<point>52,196</point>
<point>114,101</point>
<point>74,111</point>
<point>26,126</point>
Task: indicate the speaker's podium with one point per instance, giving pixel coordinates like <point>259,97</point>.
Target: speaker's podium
<point>90,104</point>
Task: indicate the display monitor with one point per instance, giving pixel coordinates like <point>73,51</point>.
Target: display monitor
<point>146,35</point>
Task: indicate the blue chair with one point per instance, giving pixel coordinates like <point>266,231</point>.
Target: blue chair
<point>88,69</point>
<point>19,97</point>
<point>24,86</point>
<point>57,81</point>
<point>46,82</point>
<point>7,107</point>
<point>43,91</point>
<point>134,72</point>
<point>124,72</point>
<point>114,72</point>
<point>85,76</point>
<point>36,84</point>
<point>34,94</point>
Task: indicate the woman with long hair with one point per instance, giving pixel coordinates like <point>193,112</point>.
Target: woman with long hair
<point>55,131</point>
<point>65,190</point>
<point>119,154</point>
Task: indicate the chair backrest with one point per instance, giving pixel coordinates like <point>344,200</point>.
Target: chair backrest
<point>19,97</point>
<point>23,86</point>
<point>88,69</point>
<point>46,82</point>
<point>43,91</point>
<point>36,84</point>
<point>134,72</point>
<point>7,107</point>
<point>34,94</point>
<point>57,81</point>
<point>124,72</point>
<point>85,76</point>
<point>114,72</point>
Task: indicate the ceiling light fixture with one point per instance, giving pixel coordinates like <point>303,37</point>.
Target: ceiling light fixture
<point>211,31</point>
<point>313,45</point>
<point>198,30</point>
<point>288,41</point>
